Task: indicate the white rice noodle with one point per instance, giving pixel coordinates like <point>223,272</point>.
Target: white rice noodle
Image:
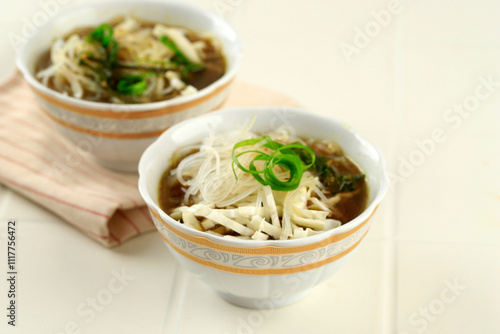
<point>243,205</point>
<point>208,224</point>
<point>260,236</point>
<point>199,46</point>
<point>229,223</point>
<point>160,86</point>
<point>306,213</point>
<point>239,197</point>
<point>271,205</point>
<point>318,205</point>
<point>151,86</point>
<point>65,68</point>
<point>180,39</point>
<point>127,26</point>
<point>316,224</point>
<point>175,80</point>
<point>260,224</point>
<point>299,232</point>
<point>189,90</point>
<point>190,220</point>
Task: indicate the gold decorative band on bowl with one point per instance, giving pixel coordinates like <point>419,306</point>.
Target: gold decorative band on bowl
<point>265,250</point>
<point>267,271</point>
<point>124,115</point>
<point>102,133</point>
<point>120,135</point>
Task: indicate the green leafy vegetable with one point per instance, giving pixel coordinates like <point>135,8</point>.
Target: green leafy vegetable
<point>179,55</point>
<point>180,58</point>
<point>281,155</point>
<point>133,84</point>
<point>98,67</point>
<point>347,182</point>
<point>127,80</point>
<point>335,182</point>
<point>108,68</point>
<point>105,63</point>
<point>104,36</point>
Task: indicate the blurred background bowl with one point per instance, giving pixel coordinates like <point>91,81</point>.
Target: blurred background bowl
<point>117,134</point>
<point>269,273</point>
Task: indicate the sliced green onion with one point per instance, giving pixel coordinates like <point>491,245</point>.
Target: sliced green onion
<point>103,35</point>
<point>242,143</point>
<point>180,58</point>
<point>292,150</point>
<point>172,46</point>
<point>285,156</point>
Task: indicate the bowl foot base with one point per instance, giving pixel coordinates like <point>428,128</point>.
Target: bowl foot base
<point>266,303</point>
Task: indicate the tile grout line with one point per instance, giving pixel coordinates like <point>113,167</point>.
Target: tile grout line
<point>399,53</point>
<point>389,310</point>
<point>398,240</point>
<point>175,302</point>
<point>391,244</point>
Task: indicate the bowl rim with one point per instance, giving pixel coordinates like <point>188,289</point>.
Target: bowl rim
<point>137,107</point>
<point>145,161</point>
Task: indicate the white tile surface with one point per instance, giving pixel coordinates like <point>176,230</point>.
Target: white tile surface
<point>448,287</point>
<point>440,223</point>
<point>15,207</point>
<point>64,278</point>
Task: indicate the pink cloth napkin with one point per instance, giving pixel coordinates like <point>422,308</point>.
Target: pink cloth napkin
<point>40,164</point>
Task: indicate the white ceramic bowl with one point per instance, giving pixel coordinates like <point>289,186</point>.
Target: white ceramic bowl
<point>270,273</point>
<point>116,135</point>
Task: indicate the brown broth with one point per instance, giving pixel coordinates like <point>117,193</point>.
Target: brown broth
<point>171,192</point>
<point>352,203</point>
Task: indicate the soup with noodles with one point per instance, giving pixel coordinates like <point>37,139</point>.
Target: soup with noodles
<point>269,186</point>
<point>130,61</point>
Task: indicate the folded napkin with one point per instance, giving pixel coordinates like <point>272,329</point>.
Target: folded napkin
<point>40,164</point>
